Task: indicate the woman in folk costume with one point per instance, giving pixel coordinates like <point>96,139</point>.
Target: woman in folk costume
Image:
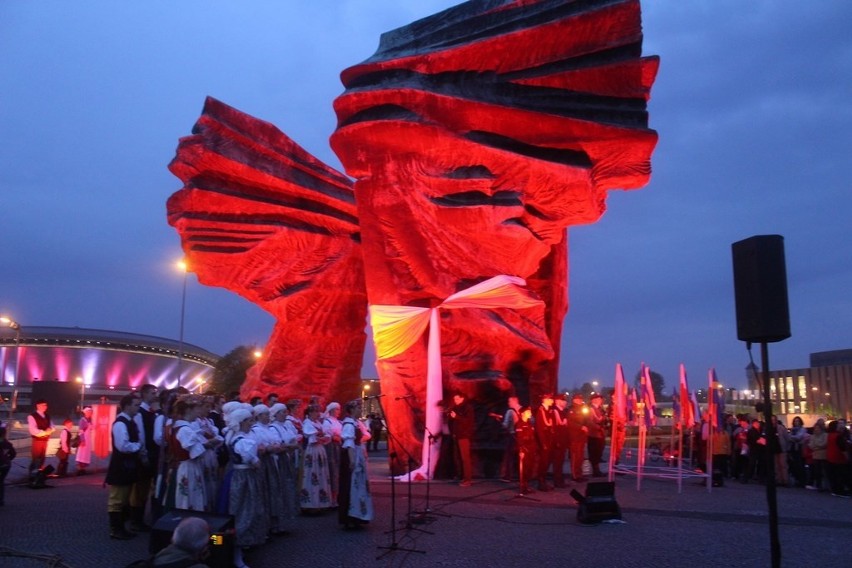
<point>84,450</point>
<point>268,447</point>
<point>356,504</point>
<point>223,494</point>
<point>295,424</point>
<point>185,482</point>
<point>315,491</point>
<point>331,427</point>
<point>288,468</point>
<point>208,431</point>
<point>246,498</point>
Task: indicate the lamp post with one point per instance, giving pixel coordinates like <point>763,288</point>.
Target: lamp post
<point>183,267</point>
<point>82,392</point>
<point>364,390</point>
<point>9,322</point>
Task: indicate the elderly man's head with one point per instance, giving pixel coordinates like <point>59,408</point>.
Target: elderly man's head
<point>192,535</point>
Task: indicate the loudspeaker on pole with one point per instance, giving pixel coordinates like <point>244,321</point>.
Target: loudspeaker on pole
<point>760,289</point>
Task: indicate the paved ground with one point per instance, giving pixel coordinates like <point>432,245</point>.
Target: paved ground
<point>482,525</point>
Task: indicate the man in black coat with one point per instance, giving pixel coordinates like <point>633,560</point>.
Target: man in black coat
<point>462,427</point>
<point>544,433</point>
<point>124,465</point>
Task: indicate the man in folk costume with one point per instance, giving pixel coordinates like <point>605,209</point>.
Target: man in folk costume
<point>578,435</point>
<point>40,428</point>
<point>597,433</point>
<point>527,449</point>
<point>128,455</point>
<point>509,467</point>
<point>145,419</point>
<point>544,433</point>
<point>561,439</point>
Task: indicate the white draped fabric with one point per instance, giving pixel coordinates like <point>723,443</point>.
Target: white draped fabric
<point>396,328</point>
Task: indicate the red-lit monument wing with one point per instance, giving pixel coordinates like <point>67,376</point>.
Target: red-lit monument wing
<point>476,136</point>
<point>260,216</point>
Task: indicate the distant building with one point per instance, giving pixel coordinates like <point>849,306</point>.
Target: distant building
<point>98,361</point>
<point>823,389</point>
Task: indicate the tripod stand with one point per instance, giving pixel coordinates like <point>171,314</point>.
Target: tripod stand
<point>425,516</point>
<point>394,545</point>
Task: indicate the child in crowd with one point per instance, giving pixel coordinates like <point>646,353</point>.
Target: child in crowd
<point>64,451</point>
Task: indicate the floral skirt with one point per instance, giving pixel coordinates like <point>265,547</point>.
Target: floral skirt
<point>315,492</point>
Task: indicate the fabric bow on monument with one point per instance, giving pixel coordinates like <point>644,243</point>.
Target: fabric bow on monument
<point>396,328</point>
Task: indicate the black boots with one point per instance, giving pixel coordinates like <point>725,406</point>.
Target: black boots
<point>137,520</point>
<point>116,527</point>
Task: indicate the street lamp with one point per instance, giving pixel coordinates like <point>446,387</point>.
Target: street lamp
<point>595,386</point>
<point>82,392</point>
<point>364,389</point>
<point>9,322</point>
<point>183,267</point>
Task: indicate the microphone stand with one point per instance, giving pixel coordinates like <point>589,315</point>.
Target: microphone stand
<point>424,516</point>
<point>394,545</point>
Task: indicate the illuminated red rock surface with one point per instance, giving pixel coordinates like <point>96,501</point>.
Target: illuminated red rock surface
<point>260,216</point>
<point>476,136</point>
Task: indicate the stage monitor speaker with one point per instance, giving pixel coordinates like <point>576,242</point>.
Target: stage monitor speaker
<point>760,289</point>
<point>598,504</point>
<point>221,535</point>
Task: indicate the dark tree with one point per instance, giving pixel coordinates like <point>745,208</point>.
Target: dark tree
<point>230,372</point>
<point>658,383</point>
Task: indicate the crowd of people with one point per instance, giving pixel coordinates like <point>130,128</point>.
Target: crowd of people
<point>817,457</point>
<point>263,462</point>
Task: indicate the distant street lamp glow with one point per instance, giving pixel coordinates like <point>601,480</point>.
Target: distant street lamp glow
<point>82,391</point>
<point>184,268</point>
<point>9,322</point>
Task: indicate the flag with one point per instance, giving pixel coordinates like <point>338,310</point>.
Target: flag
<point>716,401</point>
<point>688,416</point>
<point>631,407</point>
<point>676,417</point>
<point>619,398</point>
<point>647,394</point>
<point>696,410</point>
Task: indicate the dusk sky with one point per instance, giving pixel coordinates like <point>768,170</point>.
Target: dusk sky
<point>753,106</point>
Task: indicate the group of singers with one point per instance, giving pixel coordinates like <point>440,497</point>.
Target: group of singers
<point>261,463</point>
<point>537,441</point>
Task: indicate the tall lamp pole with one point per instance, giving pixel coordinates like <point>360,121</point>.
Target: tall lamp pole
<point>182,266</point>
<point>9,322</point>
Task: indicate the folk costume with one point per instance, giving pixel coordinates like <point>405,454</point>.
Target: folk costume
<point>315,490</point>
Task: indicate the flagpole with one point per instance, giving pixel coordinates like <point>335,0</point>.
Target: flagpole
<point>640,453</point>
<point>711,413</point>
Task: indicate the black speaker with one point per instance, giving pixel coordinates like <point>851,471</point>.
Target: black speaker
<point>598,504</point>
<point>760,289</point>
<point>221,535</point>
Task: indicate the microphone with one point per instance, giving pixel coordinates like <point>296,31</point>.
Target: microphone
<point>374,396</point>
<point>404,397</point>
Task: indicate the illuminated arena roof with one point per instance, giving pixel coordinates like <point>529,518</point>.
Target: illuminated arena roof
<point>99,357</point>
